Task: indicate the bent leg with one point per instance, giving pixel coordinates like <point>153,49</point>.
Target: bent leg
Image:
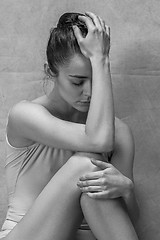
<point>56,213</point>
<point>108,219</point>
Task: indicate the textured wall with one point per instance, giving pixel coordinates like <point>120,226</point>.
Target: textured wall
<point>135,67</point>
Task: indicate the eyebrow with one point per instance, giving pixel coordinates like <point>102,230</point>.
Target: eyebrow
<point>78,76</point>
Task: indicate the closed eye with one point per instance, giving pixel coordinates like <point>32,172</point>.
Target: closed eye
<point>77,83</point>
<point>79,79</point>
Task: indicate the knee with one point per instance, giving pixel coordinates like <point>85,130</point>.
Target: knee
<point>97,156</point>
<point>80,164</point>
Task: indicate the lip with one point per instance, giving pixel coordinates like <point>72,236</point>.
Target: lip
<point>84,102</point>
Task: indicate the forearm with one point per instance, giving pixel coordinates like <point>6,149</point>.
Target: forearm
<point>100,120</point>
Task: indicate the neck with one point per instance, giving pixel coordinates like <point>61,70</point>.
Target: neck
<point>58,103</point>
<point>60,108</point>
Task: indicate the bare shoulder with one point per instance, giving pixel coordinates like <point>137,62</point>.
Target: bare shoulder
<point>23,110</point>
<point>19,114</point>
<point>124,141</point>
<point>123,154</point>
<point>122,130</point>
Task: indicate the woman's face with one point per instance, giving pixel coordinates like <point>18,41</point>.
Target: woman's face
<point>74,82</point>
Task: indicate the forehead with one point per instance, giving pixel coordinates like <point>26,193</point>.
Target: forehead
<point>78,65</point>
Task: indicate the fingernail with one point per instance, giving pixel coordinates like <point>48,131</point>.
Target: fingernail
<point>92,159</point>
<point>88,194</point>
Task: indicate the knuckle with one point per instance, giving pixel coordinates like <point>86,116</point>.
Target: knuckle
<point>102,181</point>
<point>107,27</point>
<point>105,187</point>
<point>103,175</point>
<point>82,184</point>
<point>107,194</point>
<point>99,30</point>
<point>79,40</point>
<point>102,188</point>
<point>86,177</point>
<point>86,183</point>
<point>94,29</point>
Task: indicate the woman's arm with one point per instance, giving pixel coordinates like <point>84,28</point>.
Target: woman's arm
<point>102,107</point>
<point>123,159</point>
<point>100,120</point>
<point>116,179</point>
<point>33,122</point>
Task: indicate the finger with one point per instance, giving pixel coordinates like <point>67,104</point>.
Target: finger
<point>102,22</point>
<point>101,164</point>
<point>95,19</point>
<point>91,176</point>
<point>99,195</point>
<point>108,31</point>
<point>92,189</point>
<point>89,183</point>
<point>77,33</point>
<point>89,23</point>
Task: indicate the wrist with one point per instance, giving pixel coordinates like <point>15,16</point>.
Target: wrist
<point>100,62</point>
<point>129,189</point>
<point>97,59</point>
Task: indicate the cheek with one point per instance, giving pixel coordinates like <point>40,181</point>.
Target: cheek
<point>69,91</point>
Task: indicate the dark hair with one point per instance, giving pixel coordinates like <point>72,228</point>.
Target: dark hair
<point>62,44</point>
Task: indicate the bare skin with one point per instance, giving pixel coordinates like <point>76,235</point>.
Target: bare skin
<point>57,204</point>
<point>50,212</point>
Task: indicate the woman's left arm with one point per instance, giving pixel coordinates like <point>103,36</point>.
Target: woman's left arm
<point>122,160</point>
<point>115,179</point>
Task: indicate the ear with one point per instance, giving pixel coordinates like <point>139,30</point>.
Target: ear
<point>48,71</point>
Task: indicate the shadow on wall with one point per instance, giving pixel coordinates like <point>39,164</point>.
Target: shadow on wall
<point>137,102</point>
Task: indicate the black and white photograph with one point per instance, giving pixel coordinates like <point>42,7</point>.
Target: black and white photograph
<point>79,120</point>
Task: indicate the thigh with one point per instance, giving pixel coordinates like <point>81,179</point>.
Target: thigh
<point>57,207</point>
<point>84,235</point>
<point>112,220</point>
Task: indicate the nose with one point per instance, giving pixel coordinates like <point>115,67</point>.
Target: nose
<point>87,89</point>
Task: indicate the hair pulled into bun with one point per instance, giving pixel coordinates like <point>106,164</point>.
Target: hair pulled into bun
<point>62,44</point>
<point>68,20</point>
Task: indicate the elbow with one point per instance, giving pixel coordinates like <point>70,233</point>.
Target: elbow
<point>107,146</point>
<point>104,143</point>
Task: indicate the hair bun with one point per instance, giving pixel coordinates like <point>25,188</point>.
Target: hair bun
<point>62,43</point>
<point>68,20</point>
<point>62,25</point>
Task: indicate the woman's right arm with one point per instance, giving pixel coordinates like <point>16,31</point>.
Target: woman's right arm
<point>95,46</point>
<point>32,121</point>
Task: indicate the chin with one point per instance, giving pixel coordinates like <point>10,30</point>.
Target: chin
<point>82,109</point>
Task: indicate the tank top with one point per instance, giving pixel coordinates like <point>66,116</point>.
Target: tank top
<point>28,170</point>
